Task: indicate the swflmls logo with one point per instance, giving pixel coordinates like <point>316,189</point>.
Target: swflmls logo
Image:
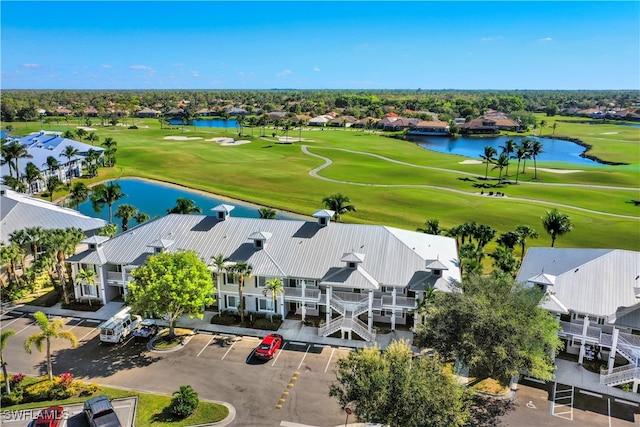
<point>28,415</point>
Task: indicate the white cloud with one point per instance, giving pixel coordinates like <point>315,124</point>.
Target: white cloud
<point>142,67</point>
<point>316,69</point>
<point>31,65</point>
<point>546,39</point>
<point>490,39</point>
<point>284,73</point>
<point>105,66</point>
<point>195,73</point>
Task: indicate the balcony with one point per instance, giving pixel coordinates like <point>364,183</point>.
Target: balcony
<point>574,330</point>
<point>311,294</point>
<point>116,276</point>
<point>401,302</point>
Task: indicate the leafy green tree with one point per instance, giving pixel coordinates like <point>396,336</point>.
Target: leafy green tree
<point>495,327</point>
<point>504,260</point>
<point>36,236</point>
<point>525,232</point>
<point>526,145</point>
<point>184,206</point>
<point>172,284</point>
<point>489,156</point>
<point>11,256</point>
<point>79,193</point>
<point>273,288</point>
<point>4,338</point>
<point>48,331</point>
<point>432,226</point>
<point>81,133</point>
<point>243,270</point>
<point>93,138</point>
<point>68,134</point>
<point>126,212</point>
<point>267,213</point>
<point>58,245</point>
<point>394,389</point>
<point>556,224</point>
<point>106,195</point>
<point>52,164</point>
<point>108,230</point>
<point>86,277</point>
<point>338,203</point>
<point>184,402</point>
<point>53,184</point>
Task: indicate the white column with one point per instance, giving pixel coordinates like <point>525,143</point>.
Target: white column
<point>370,314</point>
<point>102,283</point>
<point>280,299</point>
<point>124,281</point>
<point>585,325</point>
<point>612,352</point>
<point>393,309</point>
<point>328,313</point>
<point>304,298</point>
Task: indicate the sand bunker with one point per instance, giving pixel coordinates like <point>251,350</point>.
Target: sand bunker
<point>557,170</point>
<point>608,133</point>
<point>225,142</point>
<point>470,162</point>
<point>182,138</point>
<point>86,128</point>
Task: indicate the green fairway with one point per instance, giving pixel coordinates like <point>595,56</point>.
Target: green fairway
<point>391,181</point>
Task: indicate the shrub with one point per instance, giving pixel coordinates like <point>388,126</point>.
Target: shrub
<point>133,127</point>
<point>184,402</point>
<point>16,379</point>
<point>66,379</point>
<point>40,391</point>
<point>88,389</point>
<point>14,398</point>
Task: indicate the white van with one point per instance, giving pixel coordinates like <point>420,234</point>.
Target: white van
<point>119,326</point>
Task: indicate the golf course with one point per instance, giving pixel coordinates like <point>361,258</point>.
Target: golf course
<point>389,180</point>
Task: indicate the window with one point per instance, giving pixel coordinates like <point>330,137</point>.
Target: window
<point>89,290</point>
<point>260,281</point>
<point>258,243</point>
<point>352,265</point>
<point>231,279</point>
<point>437,272</point>
<point>232,301</point>
<point>264,304</point>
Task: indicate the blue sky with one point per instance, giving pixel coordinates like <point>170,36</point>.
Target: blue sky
<point>320,45</point>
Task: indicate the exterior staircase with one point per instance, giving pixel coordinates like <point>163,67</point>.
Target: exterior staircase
<point>348,318</point>
<point>619,375</point>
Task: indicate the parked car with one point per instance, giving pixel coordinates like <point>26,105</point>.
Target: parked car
<point>268,347</point>
<point>49,417</point>
<point>100,412</point>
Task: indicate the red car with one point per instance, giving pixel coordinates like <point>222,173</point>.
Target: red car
<point>49,417</point>
<point>268,346</point>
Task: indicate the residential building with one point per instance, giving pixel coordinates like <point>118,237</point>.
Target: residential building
<point>436,128</point>
<point>147,112</point>
<point>480,126</point>
<point>320,120</point>
<point>595,294</point>
<point>348,275</point>
<point>343,121</point>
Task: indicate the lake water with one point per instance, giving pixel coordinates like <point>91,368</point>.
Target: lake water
<point>555,150</point>
<point>209,123</point>
<point>154,199</point>
<point>4,133</point>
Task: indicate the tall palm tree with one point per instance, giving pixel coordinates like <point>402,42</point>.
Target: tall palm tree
<point>79,193</point>
<point>339,204</point>
<point>536,150</point>
<point>508,148</point>
<point>243,270</point>
<point>501,162</point>
<point>543,124</point>
<point>483,234</point>
<point>126,212</point>
<point>48,330</point>
<point>432,226</point>
<point>489,156</point>
<point>53,184</point>
<point>68,134</point>
<point>52,164</point>
<point>267,213</point>
<point>184,206</point>
<point>81,133</point>
<point>70,152</point>
<point>10,256</point>
<point>554,126</point>
<point>31,174</point>
<point>14,151</point>
<point>91,160</point>
<point>106,195</point>
<point>525,232</point>
<point>520,155</point>
<point>111,145</point>
<point>4,338</point>
<point>141,217</point>
<point>93,138</point>
<point>22,239</point>
<point>526,146</point>
<point>86,277</point>
<point>273,288</point>
<point>220,265</point>
<point>61,243</point>
<point>556,224</point>
<point>36,235</point>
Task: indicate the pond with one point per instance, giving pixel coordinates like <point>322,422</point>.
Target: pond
<point>4,133</point>
<point>555,150</point>
<point>209,123</point>
<point>155,198</point>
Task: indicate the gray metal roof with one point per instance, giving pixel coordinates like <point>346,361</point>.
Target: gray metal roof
<point>295,249</point>
<point>597,282</point>
<point>19,211</point>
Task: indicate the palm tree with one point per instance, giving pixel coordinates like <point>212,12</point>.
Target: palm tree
<point>432,226</point>
<point>543,124</point>
<point>68,134</point>
<point>106,195</point>
<point>489,157</point>
<point>126,212</point>
<point>53,183</point>
<point>501,162</point>
<point>111,145</point>
<point>267,213</point>
<point>508,239</point>
<point>141,217</point>
<point>81,133</point>
<point>32,174</point>
<point>61,243</point>
<point>91,160</point>
<point>243,270</point>
<point>556,224</point>
<point>4,337</point>
<point>536,150</point>
<point>93,138</point>
<point>526,146</point>
<point>36,235</point>
<point>273,287</point>
<point>225,116</point>
<point>520,155</point>
<point>508,148</point>
<point>184,206</point>
<point>108,230</point>
<point>483,234</point>
<point>52,164</point>
<point>48,330</point>
<point>14,151</point>
<point>455,232</point>
<point>524,232</point>
<point>338,204</point>
<point>220,265</point>
<point>79,193</point>
<point>88,278</point>
<point>70,152</point>
<point>554,126</point>
<point>22,239</point>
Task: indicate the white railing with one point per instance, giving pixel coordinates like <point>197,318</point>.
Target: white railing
<point>116,276</point>
<point>310,294</point>
<point>401,302</point>
<point>331,327</point>
<point>362,330</point>
<point>336,304</point>
<point>619,375</point>
<point>575,329</point>
<point>628,350</point>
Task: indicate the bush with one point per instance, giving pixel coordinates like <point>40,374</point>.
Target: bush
<point>15,380</point>
<point>267,324</point>
<point>133,127</point>
<point>226,318</point>
<point>42,390</point>
<point>184,402</point>
<point>13,398</point>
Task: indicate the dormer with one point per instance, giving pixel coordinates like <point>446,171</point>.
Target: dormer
<point>543,281</point>
<point>222,211</point>
<point>161,245</point>
<point>435,266</point>
<point>95,242</point>
<point>352,259</point>
<point>324,216</point>
<point>260,238</point>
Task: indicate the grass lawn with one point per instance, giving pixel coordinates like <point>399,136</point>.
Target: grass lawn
<point>164,341</point>
<point>404,188</point>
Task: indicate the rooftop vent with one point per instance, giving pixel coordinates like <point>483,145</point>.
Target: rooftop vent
<point>352,259</point>
<point>223,211</point>
<point>260,238</point>
<point>324,216</point>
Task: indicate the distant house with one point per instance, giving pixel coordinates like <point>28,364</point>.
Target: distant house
<point>91,111</point>
<point>394,123</point>
<point>436,128</point>
<point>320,120</point>
<point>507,124</point>
<point>275,115</point>
<point>480,125</point>
<point>148,113</point>
<point>235,111</point>
<point>366,122</point>
<point>300,118</point>
<point>595,294</point>
<point>62,111</point>
<point>343,121</point>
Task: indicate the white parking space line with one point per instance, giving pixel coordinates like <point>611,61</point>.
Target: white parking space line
<point>87,334</point>
<point>14,320</point>
<point>589,393</point>
<point>626,402</point>
<point>609,410</point>
<point>305,355</point>
<point>26,327</point>
<point>77,324</point>
<point>278,355</point>
<point>227,352</point>
<point>206,345</point>
<point>333,350</point>
<point>127,341</point>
